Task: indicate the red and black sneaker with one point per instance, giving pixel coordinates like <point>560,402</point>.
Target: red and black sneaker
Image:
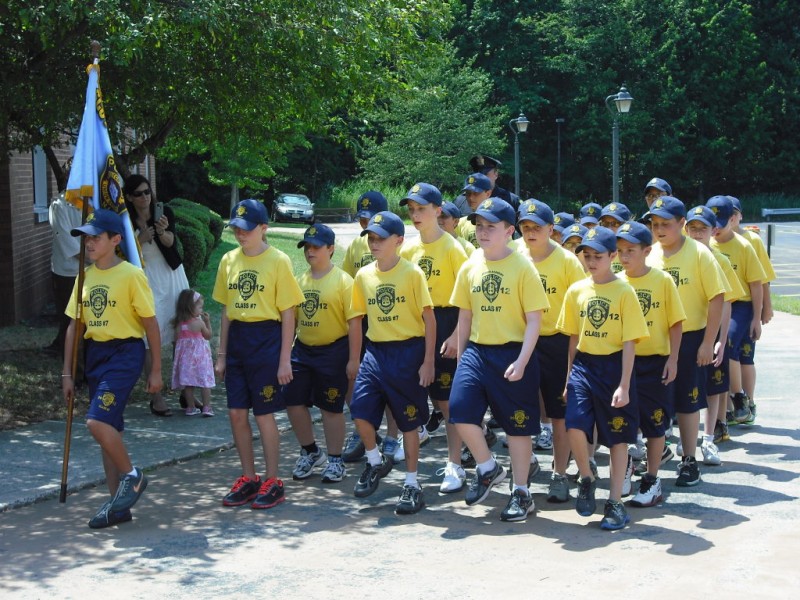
<point>270,494</point>
<point>242,492</point>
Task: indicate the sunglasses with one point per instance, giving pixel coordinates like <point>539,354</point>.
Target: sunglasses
<point>140,193</point>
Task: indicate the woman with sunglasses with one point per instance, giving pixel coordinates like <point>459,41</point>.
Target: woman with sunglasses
<point>162,264</point>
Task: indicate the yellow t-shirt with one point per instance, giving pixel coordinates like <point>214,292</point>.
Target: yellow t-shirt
<point>733,289</point>
<point>466,230</point>
<point>761,252</point>
<point>661,307</point>
<point>323,315</point>
<point>499,293</point>
<point>393,301</point>
<point>744,262</point>
<point>603,316</point>
<point>698,276</point>
<point>468,248</point>
<point>440,261</point>
<point>557,272</point>
<point>357,256</point>
<point>256,288</point>
<point>114,302</point>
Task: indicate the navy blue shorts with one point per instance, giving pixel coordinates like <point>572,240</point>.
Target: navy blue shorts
<point>655,399</point>
<point>251,368</point>
<point>319,375</point>
<point>553,352</point>
<point>718,378</point>
<point>479,383</point>
<point>740,347</point>
<point>112,369</point>
<point>690,384</point>
<point>590,387</point>
<point>389,374</point>
<point>446,321</point>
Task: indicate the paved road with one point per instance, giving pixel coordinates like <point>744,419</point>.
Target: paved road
<point>733,536</point>
<point>785,253</point>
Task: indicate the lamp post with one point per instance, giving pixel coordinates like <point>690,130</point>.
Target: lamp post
<point>559,121</point>
<point>623,101</point>
<point>518,125</point>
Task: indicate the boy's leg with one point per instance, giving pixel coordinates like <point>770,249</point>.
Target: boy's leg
<point>270,443</point>
<point>561,446</point>
<point>475,441</point>
<point>655,448</point>
<point>454,440</point>
<point>303,427</point>
<point>619,462</point>
<point>333,425</point>
<point>366,431</point>
<point>520,448</point>
<point>689,428</point>
<point>579,446</point>
<point>116,461</point>
<point>411,445</point>
<point>243,438</point>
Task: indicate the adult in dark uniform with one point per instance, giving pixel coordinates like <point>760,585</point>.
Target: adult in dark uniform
<point>480,163</point>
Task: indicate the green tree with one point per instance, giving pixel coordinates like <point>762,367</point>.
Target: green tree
<point>428,130</point>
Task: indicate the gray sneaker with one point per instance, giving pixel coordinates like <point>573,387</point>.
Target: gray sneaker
<point>353,448</point>
<point>106,518</point>
<point>558,490</point>
<point>586,504</point>
<point>482,484</point>
<point>334,472</point>
<point>130,489</point>
<point>306,464</point>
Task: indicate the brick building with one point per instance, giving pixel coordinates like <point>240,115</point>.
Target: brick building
<point>26,187</point>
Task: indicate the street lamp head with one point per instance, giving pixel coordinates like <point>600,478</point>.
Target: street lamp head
<point>623,100</point>
<point>522,123</point>
<point>560,120</point>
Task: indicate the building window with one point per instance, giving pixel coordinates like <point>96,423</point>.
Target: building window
<point>39,184</point>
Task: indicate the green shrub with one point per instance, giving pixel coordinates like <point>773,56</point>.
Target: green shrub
<point>194,250</point>
<point>199,231</point>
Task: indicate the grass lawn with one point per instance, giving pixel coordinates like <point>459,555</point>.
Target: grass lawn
<point>30,379</point>
<point>789,304</point>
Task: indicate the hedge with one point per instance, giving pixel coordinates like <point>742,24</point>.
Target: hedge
<point>199,231</point>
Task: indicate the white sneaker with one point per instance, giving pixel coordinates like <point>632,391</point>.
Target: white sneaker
<point>545,439</point>
<point>424,438</point>
<point>626,484</point>
<point>454,478</point>
<point>649,493</point>
<point>710,454</point>
<point>637,451</point>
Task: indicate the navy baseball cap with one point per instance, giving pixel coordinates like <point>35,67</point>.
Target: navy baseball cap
<point>477,182</point>
<point>450,209</point>
<point>703,214</point>
<point>536,211</point>
<point>318,234</point>
<point>494,210</point>
<point>723,209</point>
<point>590,213</point>
<point>562,220</point>
<point>598,238</point>
<point>737,206</point>
<point>385,224</point>
<point>616,210</point>
<point>483,164</point>
<point>248,215</point>
<point>370,203</point>
<point>668,207</point>
<point>423,193</point>
<point>99,221</point>
<point>659,184</point>
<point>635,233</point>
<point>574,230</point>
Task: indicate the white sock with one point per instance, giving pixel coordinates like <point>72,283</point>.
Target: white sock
<point>374,456</point>
<point>547,426</point>
<point>708,439</point>
<point>411,479</point>
<point>487,466</point>
<point>522,488</point>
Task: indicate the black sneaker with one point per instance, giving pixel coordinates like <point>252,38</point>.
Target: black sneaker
<point>752,418</point>
<point>467,460</point>
<point>411,500</point>
<point>586,504</point>
<point>519,506</point>
<point>615,517</point>
<point>741,407</point>
<point>269,494</point>
<point>490,437</point>
<point>482,483</point>
<point>434,422</point>
<point>105,517</point>
<point>353,448</point>
<point>688,472</point>
<point>533,470</point>
<point>721,433</point>
<point>729,417</point>
<point>131,488</point>
<point>368,482</point>
<point>493,424</point>
<point>242,492</point>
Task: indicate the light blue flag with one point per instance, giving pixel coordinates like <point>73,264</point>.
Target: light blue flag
<point>94,173</point>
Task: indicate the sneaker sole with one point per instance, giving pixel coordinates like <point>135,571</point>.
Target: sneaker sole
<point>687,483</point>
<point>255,506</point>
<point>558,499</point>
<point>655,501</point>
<point>454,490</point>
<point>242,503</point>
<point>518,518</point>
<point>609,527</point>
<point>124,519</point>
<point>310,472</point>
<point>409,511</point>
<point>333,479</point>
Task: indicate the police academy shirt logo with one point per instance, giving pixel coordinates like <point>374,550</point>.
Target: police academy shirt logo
<point>491,283</point>
<point>645,300</point>
<point>385,297</point>
<point>675,274</point>
<point>597,312</point>
<point>426,264</point>
<point>311,304</point>
<point>98,300</point>
<point>247,284</point>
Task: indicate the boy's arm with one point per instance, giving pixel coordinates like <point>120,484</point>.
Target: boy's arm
<point>427,371</point>
<point>464,327</point>
<point>573,350</point>
<point>449,347</point>
<point>724,327</point>
<point>154,382</point>
<point>67,383</point>
<point>516,370</point>
<point>354,341</point>
<point>671,368</point>
<point>621,394</point>
<point>757,296</point>
<point>287,338</point>
<point>705,353</point>
<point>766,310</point>
<point>224,324</point>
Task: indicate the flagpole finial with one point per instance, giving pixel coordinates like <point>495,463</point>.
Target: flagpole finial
<point>95,50</point>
